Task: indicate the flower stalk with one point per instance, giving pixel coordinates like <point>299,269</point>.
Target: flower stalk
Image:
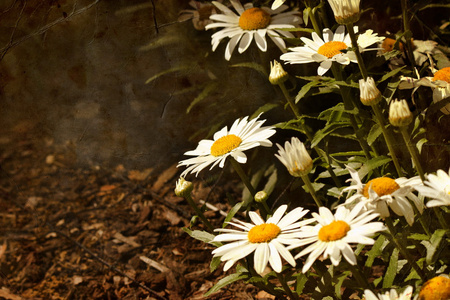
<point>311,190</point>
<point>237,167</point>
<point>402,248</point>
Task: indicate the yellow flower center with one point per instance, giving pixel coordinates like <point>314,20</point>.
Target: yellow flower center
<point>263,233</point>
<point>442,74</point>
<point>388,45</point>
<point>225,144</point>
<point>382,186</point>
<point>254,18</point>
<point>435,289</point>
<point>332,48</point>
<point>334,231</point>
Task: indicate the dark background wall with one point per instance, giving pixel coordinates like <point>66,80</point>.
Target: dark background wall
<point>76,69</point>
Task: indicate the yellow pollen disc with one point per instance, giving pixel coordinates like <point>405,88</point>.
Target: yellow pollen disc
<point>332,48</point>
<point>382,186</point>
<point>263,233</point>
<point>225,144</point>
<point>437,288</point>
<point>334,231</point>
<point>442,74</point>
<point>254,18</point>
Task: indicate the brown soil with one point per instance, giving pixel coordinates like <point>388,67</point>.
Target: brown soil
<point>97,233</point>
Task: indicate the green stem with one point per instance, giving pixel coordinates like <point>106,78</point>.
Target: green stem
<point>308,133</point>
<point>237,167</point>
<point>311,190</point>
<point>388,138</point>
<point>403,249</point>
<point>348,105</point>
<point>199,212</point>
<point>413,151</point>
<point>286,287</point>
<point>356,272</point>
<point>406,20</point>
<point>314,23</point>
<point>355,46</point>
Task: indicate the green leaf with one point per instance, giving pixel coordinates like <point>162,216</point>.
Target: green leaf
<point>433,245</point>
<point>322,133</point>
<point>390,74</point>
<point>391,270</point>
<point>232,212</point>
<point>376,250</point>
<point>374,133</point>
<point>271,182</point>
<point>171,70</point>
<point>373,164</point>
<point>305,89</point>
<point>339,281</point>
<point>215,262</point>
<point>202,236</point>
<point>306,13</point>
<point>203,94</point>
<point>420,144</point>
<point>419,237</point>
<point>224,282</point>
<point>254,66</point>
<point>301,281</point>
<point>265,108</point>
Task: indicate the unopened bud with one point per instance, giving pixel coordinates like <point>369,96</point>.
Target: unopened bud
<point>369,93</point>
<point>399,113</point>
<point>261,196</point>
<point>183,188</point>
<point>277,74</point>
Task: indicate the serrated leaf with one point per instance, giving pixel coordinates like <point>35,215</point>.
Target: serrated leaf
<point>419,237</point>
<point>373,164</point>
<point>232,212</point>
<point>305,89</point>
<point>374,133</point>
<point>339,281</point>
<point>301,281</point>
<point>252,65</point>
<point>391,270</point>
<point>224,282</point>
<point>329,128</point>
<point>203,94</point>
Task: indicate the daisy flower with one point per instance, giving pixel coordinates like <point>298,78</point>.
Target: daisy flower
<point>251,23</point>
<point>266,239</point>
<point>439,83</point>
<point>436,187</point>
<point>199,15</point>
<point>391,295</point>
<point>295,158</point>
<point>383,192</point>
<point>329,49</point>
<point>243,135</point>
<point>333,234</point>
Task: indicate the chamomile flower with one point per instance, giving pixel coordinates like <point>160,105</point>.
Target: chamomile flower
<point>439,83</point>
<point>266,239</point>
<point>199,15</point>
<point>333,234</point>
<point>251,23</point>
<point>329,49</point>
<point>390,295</point>
<point>437,188</point>
<point>243,135</point>
<point>383,192</point>
<point>345,11</point>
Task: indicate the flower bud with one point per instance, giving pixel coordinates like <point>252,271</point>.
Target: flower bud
<point>261,196</point>
<point>277,74</point>
<point>369,93</point>
<point>295,157</point>
<point>183,188</point>
<point>399,113</point>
